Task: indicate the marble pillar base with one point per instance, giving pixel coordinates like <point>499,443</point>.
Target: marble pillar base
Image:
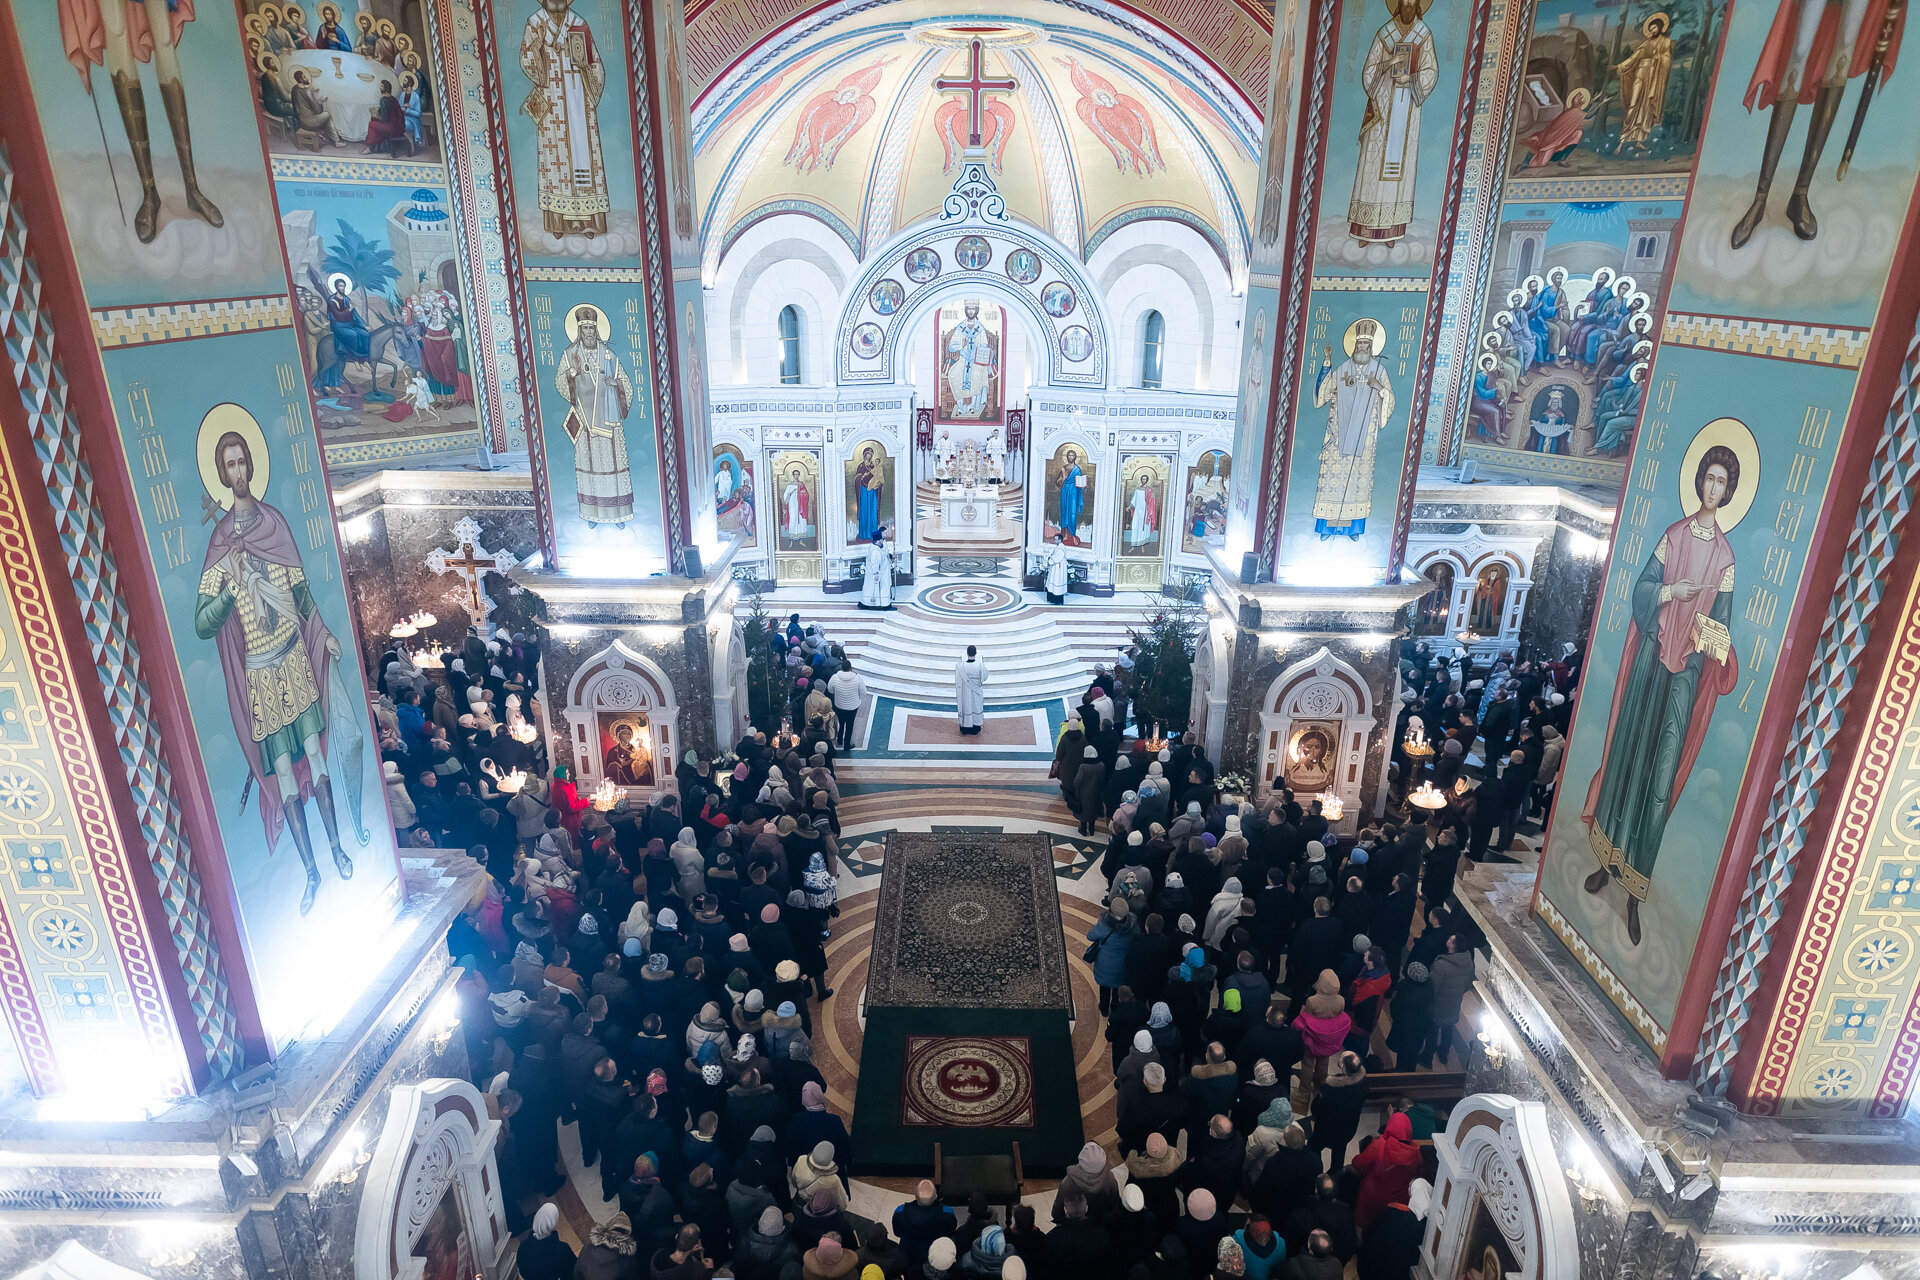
<point>1835,1194</point>
<point>1314,674</point>
<point>247,1185</point>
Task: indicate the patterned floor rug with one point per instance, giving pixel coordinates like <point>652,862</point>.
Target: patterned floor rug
<point>968,920</point>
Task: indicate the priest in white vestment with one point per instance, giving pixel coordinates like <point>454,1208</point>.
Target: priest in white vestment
<point>595,383</point>
<point>1359,400</point>
<point>1398,76</point>
<point>1056,571</point>
<point>558,55</point>
<point>970,691</point>
<point>877,591</point>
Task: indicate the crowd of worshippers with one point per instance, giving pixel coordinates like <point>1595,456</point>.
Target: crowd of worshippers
<point>1498,734</point>
<point>437,737</point>
<point>827,693</point>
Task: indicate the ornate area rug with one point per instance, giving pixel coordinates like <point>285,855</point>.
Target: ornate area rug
<point>968,921</point>
<point>968,1082</point>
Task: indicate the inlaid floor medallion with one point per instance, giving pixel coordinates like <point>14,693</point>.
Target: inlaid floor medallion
<point>968,1082</point>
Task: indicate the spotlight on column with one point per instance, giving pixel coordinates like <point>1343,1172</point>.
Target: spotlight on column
<point>1249,569</point>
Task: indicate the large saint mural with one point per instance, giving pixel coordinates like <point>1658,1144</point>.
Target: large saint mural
<point>733,494</point>
<point>1615,89</point>
<point>216,435</point>
<point>1209,486</point>
<point>1729,467</point>
<point>1143,506</point>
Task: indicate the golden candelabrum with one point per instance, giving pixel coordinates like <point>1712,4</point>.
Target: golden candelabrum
<point>522,732</point>
<point>402,630</point>
<point>1425,797</point>
<point>1331,806</point>
<point>605,796</point>
<point>431,658</point>
<point>1157,742</point>
<point>1416,745</point>
<point>509,783</point>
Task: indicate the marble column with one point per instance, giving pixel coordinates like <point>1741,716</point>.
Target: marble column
<point>1755,583</point>
<point>600,227</point>
<point>1367,124</point>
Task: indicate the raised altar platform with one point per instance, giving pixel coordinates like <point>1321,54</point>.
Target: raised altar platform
<point>969,511</point>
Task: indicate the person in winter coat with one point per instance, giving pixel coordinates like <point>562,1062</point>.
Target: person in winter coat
<point>1412,1013</point>
<point>880,1256</point>
<point>1154,1111</point>
<point>543,1254</point>
<point>1387,1169</point>
<point>1155,1173</point>
<point>1263,1253</point>
<point>921,1221</point>
<point>1336,1112</point>
<point>1077,1246</point>
<point>1391,1247</point>
<point>1317,1262</point>
<point>766,1249</point>
<point>1088,782</point>
<point>1200,1229</point>
<point>987,1256</point>
<point>1323,1026</point>
<point>1090,1177</point>
<point>817,1170</point>
<point>829,1260</point>
<point>1452,979</point>
<point>404,816</point>
<point>1209,1088</point>
<point>1287,1180</point>
<point>1268,1135</point>
<point>1131,1229</point>
<point>812,1125</point>
<point>611,1253</point>
<point>1223,913</point>
<point>1112,934</point>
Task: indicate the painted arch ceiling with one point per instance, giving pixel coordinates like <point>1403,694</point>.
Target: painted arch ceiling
<point>835,115</point>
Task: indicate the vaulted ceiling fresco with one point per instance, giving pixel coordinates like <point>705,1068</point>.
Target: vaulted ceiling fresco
<point>856,116</point>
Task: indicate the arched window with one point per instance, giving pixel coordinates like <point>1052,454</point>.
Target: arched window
<point>1153,352</point>
<point>789,347</point>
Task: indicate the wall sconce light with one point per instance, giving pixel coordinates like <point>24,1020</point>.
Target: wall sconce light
<point>1583,1171</point>
<point>1493,1042</point>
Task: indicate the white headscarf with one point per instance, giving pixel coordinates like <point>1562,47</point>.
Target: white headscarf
<point>545,1221</point>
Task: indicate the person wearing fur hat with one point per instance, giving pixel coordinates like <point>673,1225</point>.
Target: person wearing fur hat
<point>920,1222</point>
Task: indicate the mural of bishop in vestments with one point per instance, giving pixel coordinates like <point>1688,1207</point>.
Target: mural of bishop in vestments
<point>595,383</point>
<point>1358,399</point>
<point>1399,74</point>
<point>557,53</point>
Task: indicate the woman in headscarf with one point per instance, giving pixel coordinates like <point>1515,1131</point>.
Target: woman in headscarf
<point>1267,1137</point>
<point>543,1254</point>
<point>1336,1111</point>
<point>1223,913</point>
<point>1090,1176</point>
<point>1110,937</point>
<point>689,867</point>
<point>706,1026</point>
<point>1166,1036</point>
<point>822,893</point>
<point>988,1256</point>
<point>1067,756</point>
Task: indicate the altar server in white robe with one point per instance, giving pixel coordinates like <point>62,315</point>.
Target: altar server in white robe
<point>1056,571</point>
<point>878,590</point>
<point>970,690</point>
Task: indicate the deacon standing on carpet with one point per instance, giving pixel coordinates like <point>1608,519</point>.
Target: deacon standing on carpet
<point>1056,571</point>
<point>970,691</point>
<point>878,592</point>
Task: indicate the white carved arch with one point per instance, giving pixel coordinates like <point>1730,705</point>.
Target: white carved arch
<point>1497,1153</point>
<point>438,1135</point>
<point>1212,675</point>
<point>953,281</point>
<point>1470,552</point>
<point>619,679</point>
<point>729,684</point>
<point>1325,688</point>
